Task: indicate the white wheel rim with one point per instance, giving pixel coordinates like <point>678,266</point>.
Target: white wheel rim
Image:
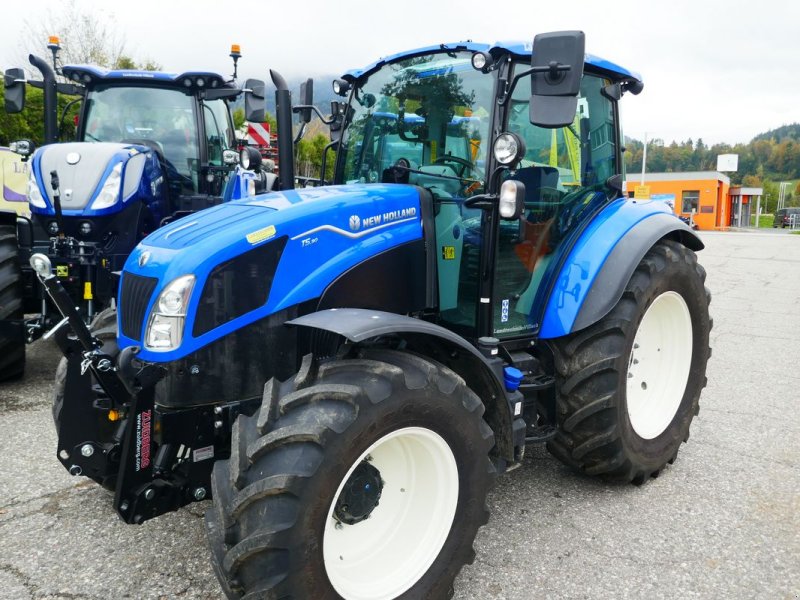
<point>384,555</point>
<point>658,367</point>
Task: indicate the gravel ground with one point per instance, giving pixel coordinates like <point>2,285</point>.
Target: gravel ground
<point>723,522</point>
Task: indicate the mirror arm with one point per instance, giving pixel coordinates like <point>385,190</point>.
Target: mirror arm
<point>552,69</point>
<point>299,107</point>
<point>300,133</point>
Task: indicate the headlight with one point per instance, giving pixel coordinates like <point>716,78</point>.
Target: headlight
<point>34,193</point>
<point>168,317</point>
<point>508,149</point>
<point>109,194</point>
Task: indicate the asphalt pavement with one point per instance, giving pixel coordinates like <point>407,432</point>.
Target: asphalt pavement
<point>722,522</point>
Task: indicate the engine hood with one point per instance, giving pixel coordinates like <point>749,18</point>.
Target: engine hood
<point>327,231</point>
<point>82,169</point>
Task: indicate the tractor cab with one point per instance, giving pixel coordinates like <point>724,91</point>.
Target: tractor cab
<point>457,120</point>
<point>184,119</point>
<point>150,147</point>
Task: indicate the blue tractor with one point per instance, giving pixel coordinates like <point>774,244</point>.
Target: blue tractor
<point>345,368</point>
<point>150,147</point>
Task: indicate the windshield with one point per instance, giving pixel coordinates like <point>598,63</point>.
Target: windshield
<point>429,114</point>
<point>157,117</point>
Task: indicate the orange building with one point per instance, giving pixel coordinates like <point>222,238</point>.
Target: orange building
<point>704,194</point>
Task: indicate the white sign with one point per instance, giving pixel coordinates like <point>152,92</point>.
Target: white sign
<point>727,162</point>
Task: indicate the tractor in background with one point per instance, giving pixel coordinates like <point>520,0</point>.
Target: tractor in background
<point>151,147</point>
<point>344,369</point>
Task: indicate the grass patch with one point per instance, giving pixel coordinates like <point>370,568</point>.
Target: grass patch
<point>763,220</point>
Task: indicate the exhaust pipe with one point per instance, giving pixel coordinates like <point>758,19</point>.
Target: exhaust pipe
<point>50,87</point>
<point>283,110</point>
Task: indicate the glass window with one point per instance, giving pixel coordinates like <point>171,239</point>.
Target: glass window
<point>564,173</point>
<point>691,200</point>
<point>219,130</point>
<point>432,111</point>
<point>159,117</point>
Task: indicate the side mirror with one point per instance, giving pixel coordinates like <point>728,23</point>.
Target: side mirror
<point>255,104</point>
<point>558,62</point>
<point>306,99</point>
<point>14,82</point>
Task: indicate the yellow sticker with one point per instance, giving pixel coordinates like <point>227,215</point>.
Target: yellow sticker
<point>261,235</point>
<point>62,271</point>
<point>448,252</point>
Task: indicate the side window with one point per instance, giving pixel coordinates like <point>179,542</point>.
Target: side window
<point>563,171</point>
<point>219,134</point>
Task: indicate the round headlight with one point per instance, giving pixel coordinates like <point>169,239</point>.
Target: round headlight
<point>508,149</point>
<point>86,229</point>
<point>187,82</point>
<point>244,158</point>
<point>340,87</point>
<point>200,82</point>
<point>52,228</point>
<point>482,61</point>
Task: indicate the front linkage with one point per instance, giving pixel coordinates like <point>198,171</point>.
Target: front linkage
<point>111,430</point>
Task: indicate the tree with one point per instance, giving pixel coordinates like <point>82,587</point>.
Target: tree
<point>87,36</point>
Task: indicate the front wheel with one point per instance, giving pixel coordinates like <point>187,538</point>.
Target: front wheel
<point>629,385</point>
<point>362,479</point>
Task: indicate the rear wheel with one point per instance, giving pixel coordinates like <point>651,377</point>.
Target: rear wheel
<point>361,479</point>
<point>629,385</point>
<point>12,347</point>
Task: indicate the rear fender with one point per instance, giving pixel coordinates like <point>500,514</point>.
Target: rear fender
<point>483,375</point>
<point>602,262</point>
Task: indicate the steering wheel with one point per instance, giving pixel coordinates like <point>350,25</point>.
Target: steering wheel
<point>463,162</point>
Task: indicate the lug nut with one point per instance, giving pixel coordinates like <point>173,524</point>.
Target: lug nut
<point>75,470</point>
<point>149,494</point>
<point>217,410</point>
<point>218,424</point>
<point>200,493</point>
<point>124,506</point>
<point>87,450</point>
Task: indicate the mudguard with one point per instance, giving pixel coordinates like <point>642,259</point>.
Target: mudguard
<point>603,259</point>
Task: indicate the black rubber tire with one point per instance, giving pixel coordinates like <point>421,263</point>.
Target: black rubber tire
<point>12,351</point>
<point>272,497</point>
<point>594,432</point>
<point>104,327</point>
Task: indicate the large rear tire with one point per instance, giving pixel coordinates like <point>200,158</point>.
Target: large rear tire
<point>12,348</point>
<point>362,478</point>
<point>629,385</point>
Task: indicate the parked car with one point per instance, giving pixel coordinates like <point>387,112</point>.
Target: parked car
<point>783,217</point>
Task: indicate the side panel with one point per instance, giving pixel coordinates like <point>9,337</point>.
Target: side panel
<point>583,272</point>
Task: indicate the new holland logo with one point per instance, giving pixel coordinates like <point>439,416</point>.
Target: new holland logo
<point>143,258</point>
<point>355,223</point>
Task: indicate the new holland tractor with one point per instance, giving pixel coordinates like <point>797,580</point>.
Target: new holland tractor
<point>344,369</point>
<point>150,147</point>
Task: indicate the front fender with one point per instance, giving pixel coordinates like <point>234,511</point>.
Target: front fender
<point>603,259</point>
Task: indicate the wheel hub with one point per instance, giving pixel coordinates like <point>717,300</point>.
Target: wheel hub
<point>360,495</point>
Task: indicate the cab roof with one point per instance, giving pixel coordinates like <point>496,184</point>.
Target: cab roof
<point>515,48</point>
<point>90,74</point>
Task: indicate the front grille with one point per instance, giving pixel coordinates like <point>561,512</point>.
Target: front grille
<point>133,301</point>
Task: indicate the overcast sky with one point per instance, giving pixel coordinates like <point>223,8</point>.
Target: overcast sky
<point>720,71</point>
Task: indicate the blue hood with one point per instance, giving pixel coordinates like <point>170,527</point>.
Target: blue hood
<point>329,230</point>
